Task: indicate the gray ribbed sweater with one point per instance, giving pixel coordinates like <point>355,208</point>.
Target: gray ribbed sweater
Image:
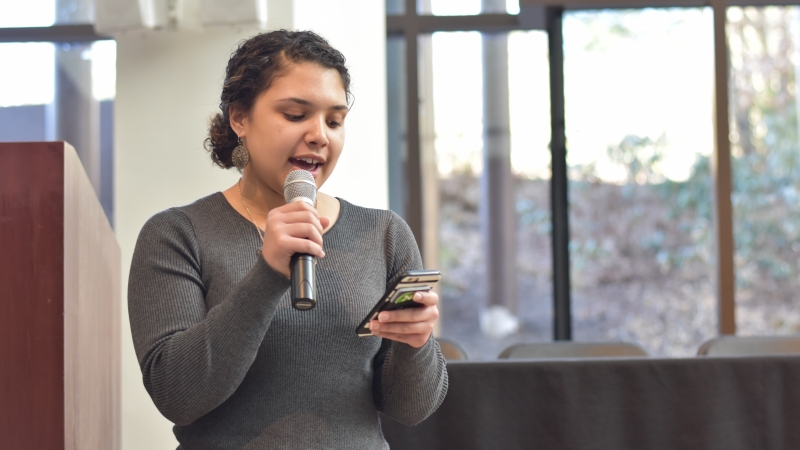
<point>227,359</point>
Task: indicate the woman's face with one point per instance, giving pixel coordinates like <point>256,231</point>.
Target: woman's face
<point>298,123</point>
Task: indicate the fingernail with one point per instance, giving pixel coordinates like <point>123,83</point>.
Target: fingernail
<point>375,327</point>
<point>417,296</point>
<point>383,317</point>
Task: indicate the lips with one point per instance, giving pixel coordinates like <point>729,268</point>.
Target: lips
<point>308,164</point>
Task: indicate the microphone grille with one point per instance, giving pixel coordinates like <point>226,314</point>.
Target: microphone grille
<point>300,183</point>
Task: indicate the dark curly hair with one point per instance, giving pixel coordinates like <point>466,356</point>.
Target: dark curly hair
<point>251,70</point>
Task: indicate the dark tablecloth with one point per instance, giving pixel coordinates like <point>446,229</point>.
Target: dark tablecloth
<point>644,403</point>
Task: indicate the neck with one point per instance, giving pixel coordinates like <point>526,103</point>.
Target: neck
<point>259,198</point>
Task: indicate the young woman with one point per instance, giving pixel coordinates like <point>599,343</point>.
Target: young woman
<point>223,353</point>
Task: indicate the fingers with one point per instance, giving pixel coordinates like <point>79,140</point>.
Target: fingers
<point>325,222</point>
<point>290,245</point>
<point>400,327</point>
<point>302,231</point>
<point>293,217</point>
<point>412,326</point>
<point>296,220</point>
<point>428,300</point>
<point>292,228</point>
<point>413,340</point>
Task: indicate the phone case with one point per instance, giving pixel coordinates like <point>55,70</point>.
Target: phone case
<point>400,295</point>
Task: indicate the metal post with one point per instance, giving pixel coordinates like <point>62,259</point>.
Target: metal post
<point>413,161</point>
<point>562,317</point>
<point>396,119</point>
<point>76,112</point>
<point>428,169</point>
<point>498,217</point>
<point>721,173</point>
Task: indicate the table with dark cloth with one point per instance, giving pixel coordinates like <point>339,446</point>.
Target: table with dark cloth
<point>614,403</point>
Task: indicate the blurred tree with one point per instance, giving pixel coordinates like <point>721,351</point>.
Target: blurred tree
<point>764,138</point>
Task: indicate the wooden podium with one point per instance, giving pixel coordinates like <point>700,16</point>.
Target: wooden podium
<point>59,305</point>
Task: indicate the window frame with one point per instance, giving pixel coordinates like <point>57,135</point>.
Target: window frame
<point>547,15</point>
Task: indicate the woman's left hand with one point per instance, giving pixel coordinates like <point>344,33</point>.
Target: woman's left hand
<point>412,326</point>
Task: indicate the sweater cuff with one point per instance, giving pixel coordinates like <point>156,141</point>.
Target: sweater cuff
<point>405,352</point>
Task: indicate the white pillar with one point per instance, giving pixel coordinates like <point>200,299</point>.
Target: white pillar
<point>168,86</point>
<point>498,217</point>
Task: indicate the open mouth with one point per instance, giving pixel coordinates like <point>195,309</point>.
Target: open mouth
<point>305,163</point>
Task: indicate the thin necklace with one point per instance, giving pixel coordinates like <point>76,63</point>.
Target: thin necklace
<point>260,233</point>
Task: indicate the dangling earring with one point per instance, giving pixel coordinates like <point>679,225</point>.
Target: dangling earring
<point>240,156</point>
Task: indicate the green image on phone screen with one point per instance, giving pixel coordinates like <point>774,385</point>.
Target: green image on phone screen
<point>405,297</point>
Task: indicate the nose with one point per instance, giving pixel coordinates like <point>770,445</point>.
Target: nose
<point>317,134</point>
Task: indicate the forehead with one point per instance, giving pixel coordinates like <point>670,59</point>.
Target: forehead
<point>308,81</point>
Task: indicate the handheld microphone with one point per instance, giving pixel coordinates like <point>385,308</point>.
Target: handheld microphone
<point>301,187</point>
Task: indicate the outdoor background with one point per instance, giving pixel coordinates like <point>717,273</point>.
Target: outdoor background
<point>639,117</point>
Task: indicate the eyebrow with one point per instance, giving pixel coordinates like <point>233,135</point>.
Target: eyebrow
<point>303,102</point>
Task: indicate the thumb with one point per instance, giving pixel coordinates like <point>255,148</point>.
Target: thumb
<point>324,221</point>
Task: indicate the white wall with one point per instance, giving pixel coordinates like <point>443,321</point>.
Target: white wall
<point>168,85</point>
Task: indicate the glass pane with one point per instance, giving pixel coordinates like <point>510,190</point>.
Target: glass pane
<point>467,7</point>
<point>28,13</point>
<point>63,92</point>
<point>44,13</point>
<point>639,90</point>
<point>453,7</point>
<point>26,88</point>
<point>512,6</point>
<point>27,78</point>
<point>395,7</point>
<point>763,45</point>
<point>496,287</point>
<point>104,70</point>
<point>74,11</point>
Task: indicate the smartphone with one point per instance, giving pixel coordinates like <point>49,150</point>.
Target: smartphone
<point>400,295</point>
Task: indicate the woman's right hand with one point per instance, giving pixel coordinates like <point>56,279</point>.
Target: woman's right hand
<point>292,228</point>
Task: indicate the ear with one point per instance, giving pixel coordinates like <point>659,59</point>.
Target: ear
<point>238,119</point>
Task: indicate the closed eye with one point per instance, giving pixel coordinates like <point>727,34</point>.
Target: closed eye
<point>294,118</point>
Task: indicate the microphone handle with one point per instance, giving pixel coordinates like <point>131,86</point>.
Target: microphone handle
<point>304,281</point>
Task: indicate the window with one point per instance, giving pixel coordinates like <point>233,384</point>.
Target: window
<point>639,114</point>
<point>642,155</point>
<point>764,44</point>
<point>60,90</point>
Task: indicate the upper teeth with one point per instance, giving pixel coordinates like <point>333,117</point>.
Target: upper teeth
<point>307,160</point>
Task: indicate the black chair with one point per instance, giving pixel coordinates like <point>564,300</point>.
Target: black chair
<point>750,346</point>
<point>568,349</point>
<point>451,350</point>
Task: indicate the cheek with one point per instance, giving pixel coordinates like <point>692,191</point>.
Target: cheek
<point>336,151</point>
<point>338,140</point>
<point>335,154</point>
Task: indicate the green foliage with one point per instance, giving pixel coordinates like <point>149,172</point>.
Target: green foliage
<point>766,174</point>
<point>765,168</point>
<point>640,157</point>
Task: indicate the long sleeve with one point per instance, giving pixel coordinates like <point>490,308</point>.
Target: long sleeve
<point>410,383</point>
<point>193,359</point>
